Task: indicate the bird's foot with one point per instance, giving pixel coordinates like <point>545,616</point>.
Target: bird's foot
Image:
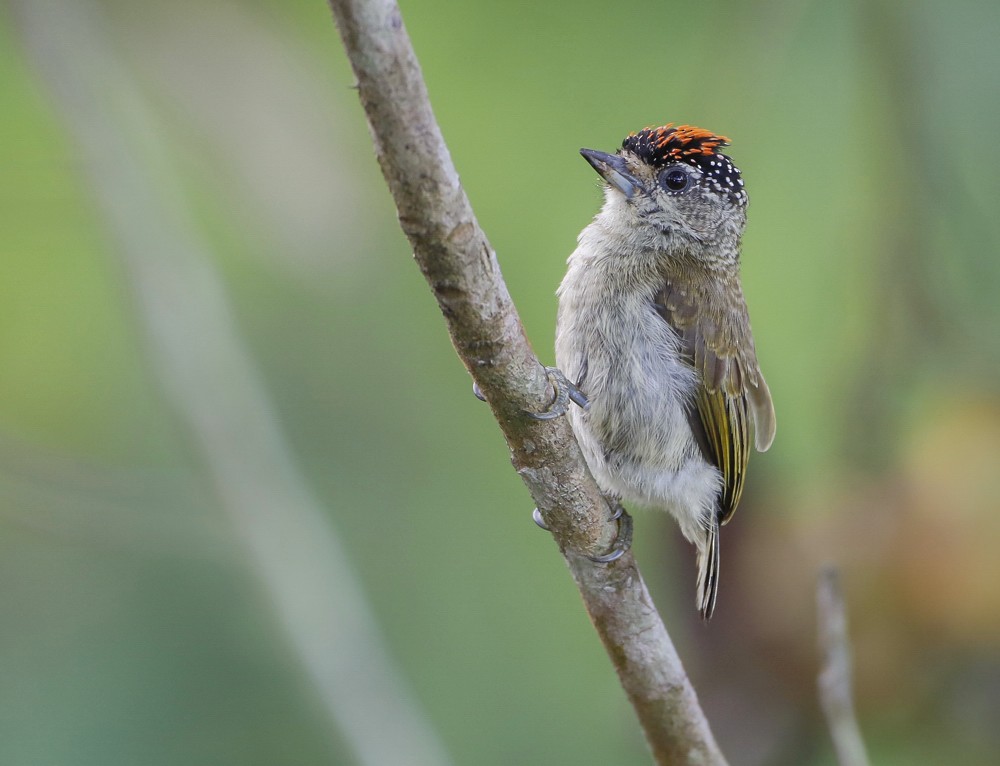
<point>623,541</point>
<point>566,392</point>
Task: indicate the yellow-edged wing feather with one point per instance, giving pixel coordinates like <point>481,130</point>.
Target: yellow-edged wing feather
<point>711,320</point>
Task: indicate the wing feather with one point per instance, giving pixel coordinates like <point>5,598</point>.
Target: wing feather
<point>712,323</point>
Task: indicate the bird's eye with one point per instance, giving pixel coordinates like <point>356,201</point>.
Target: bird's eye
<point>675,179</point>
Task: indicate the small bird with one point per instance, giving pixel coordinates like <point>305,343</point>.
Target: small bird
<point>653,331</point>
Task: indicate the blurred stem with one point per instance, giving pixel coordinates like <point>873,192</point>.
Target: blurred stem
<point>835,695</point>
<point>199,359</point>
<point>462,271</point>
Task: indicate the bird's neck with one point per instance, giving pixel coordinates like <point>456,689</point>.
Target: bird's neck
<point>631,257</point>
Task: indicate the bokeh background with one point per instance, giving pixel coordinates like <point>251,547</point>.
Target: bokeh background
<point>234,436</point>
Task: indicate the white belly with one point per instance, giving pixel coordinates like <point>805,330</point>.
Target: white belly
<point>635,437</point>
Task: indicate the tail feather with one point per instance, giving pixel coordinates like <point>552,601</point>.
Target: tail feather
<point>708,570</point>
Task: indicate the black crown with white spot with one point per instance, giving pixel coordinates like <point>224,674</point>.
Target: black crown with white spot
<point>694,146</point>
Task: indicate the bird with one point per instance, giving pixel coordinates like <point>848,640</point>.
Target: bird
<point>653,337</point>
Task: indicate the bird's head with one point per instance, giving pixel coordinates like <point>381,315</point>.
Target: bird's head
<point>672,182</point>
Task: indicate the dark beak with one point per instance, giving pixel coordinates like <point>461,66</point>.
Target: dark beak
<point>612,169</point>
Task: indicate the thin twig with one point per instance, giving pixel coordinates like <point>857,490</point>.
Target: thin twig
<point>214,388</point>
<point>462,271</point>
<point>835,695</point>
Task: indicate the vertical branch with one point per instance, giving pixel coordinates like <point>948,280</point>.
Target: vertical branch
<point>210,380</point>
<point>835,694</point>
<point>462,271</point>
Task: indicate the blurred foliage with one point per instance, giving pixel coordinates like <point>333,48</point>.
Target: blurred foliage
<point>134,631</point>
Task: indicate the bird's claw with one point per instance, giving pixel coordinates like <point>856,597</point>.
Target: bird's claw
<point>566,392</point>
<point>623,541</point>
<point>536,516</point>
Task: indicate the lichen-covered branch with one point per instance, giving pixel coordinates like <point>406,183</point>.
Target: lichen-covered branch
<point>462,271</point>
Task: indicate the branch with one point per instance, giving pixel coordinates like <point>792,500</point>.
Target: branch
<point>835,694</point>
<point>462,271</point>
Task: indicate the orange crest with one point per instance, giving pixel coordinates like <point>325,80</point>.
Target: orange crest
<point>659,146</point>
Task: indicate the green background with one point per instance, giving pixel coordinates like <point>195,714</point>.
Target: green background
<point>135,629</point>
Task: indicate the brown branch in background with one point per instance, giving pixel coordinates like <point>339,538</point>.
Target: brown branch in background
<point>462,271</point>
<point>835,695</point>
